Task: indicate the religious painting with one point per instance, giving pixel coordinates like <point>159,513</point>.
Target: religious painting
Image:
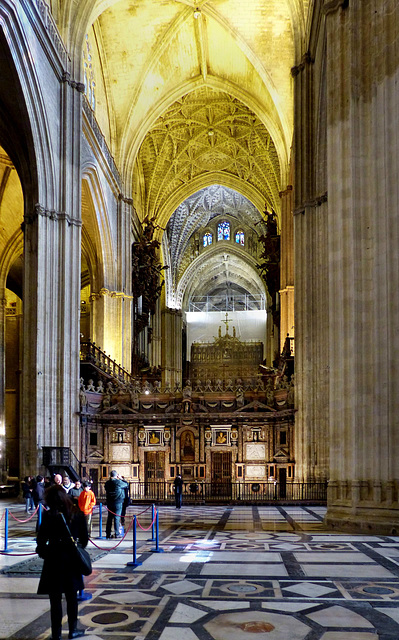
<point>187,450</point>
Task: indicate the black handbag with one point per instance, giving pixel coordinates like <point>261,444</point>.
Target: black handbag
<point>81,556</point>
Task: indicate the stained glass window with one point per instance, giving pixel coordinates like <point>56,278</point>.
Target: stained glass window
<point>207,239</point>
<point>224,231</point>
<point>240,237</point>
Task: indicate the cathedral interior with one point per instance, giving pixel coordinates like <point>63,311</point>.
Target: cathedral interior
<point>199,275</point>
<point>198,246</point>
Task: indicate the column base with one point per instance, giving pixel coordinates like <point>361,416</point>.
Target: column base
<point>375,520</point>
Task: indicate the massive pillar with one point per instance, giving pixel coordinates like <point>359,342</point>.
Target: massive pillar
<point>363,104</point>
<point>51,287</point>
<point>346,278</point>
<point>311,270</point>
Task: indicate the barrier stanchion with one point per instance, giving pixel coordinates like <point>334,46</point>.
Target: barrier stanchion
<point>134,563</point>
<point>152,539</point>
<point>100,522</point>
<point>39,516</point>
<point>6,531</point>
<point>157,547</point>
<point>82,596</point>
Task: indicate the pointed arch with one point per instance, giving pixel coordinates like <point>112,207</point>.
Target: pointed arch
<point>97,242</point>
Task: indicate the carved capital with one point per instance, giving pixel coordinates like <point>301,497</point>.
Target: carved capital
<point>313,203</point>
<point>306,60</point>
<point>112,294</point>
<point>40,211</point>
<point>79,86</point>
<point>286,191</point>
<point>126,200</point>
<point>333,5</point>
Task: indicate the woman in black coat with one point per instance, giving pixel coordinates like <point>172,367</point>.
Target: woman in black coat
<point>60,574</point>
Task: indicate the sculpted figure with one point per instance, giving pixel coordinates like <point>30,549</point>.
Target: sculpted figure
<point>100,387</point>
<point>90,386</point>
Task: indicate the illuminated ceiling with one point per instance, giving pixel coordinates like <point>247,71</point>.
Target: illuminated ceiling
<point>150,55</point>
<point>192,94</point>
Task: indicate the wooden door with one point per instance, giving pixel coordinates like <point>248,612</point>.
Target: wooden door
<point>282,479</point>
<point>221,473</point>
<point>154,466</point>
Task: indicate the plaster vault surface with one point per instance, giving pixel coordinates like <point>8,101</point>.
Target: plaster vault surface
<point>189,94</point>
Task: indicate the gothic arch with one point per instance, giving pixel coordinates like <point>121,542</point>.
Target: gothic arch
<point>27,139</point>
<point>205,180</point>
<point>96,237</point>
<point>248,274</point>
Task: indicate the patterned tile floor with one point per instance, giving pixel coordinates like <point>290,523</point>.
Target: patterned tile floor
<point>221,573</point>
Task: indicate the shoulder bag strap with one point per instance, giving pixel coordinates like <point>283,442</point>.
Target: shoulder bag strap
<point>67,528</point>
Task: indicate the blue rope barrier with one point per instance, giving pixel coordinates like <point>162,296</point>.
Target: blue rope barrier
<point>157,547</point>
<point>6,531</point>
<point>152,539</point>
<point>100,522</point>
<point>134,563</point>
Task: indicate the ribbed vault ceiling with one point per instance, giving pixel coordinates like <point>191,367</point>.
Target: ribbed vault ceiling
<point>204,132</point>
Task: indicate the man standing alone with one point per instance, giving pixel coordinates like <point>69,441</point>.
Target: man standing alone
<point>178,482</point>
<point>115,493</point>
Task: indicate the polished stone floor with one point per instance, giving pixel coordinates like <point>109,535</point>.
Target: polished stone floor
<point>220,573</point>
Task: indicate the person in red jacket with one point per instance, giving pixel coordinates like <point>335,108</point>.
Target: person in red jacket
<point>86,502</point>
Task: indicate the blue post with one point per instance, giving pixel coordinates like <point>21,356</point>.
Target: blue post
<point>39,516</point>
<point>134,563</point>
<point>152,539</point>
<point>6,530</point>
<point>157,547</point>
<point>100,522</point>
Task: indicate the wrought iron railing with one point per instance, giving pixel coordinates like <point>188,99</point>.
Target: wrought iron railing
<point>212,492</point>
<point>91,354</point>
<point>61,458</point>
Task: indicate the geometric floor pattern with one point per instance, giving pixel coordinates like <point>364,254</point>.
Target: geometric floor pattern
<point>219,573</point>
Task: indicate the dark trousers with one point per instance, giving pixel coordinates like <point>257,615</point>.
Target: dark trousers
<point>178,499</point>
<point>56,612</point>
<point>115,519</point>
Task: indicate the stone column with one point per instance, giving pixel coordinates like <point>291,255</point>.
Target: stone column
<point>311,273</point>
<point>3,462</point>
<point>51,295</point>
<point>172,346</point>
<point>363,192</point>
<point>125,302</point>
<point>286,266</point>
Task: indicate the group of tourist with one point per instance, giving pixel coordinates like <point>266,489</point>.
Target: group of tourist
<point>68,509</point>
<point>34,488</point>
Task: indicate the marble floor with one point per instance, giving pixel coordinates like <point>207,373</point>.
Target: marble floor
<point>218,573</point>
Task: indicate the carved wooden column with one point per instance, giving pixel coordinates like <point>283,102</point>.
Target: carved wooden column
<point>172,346</point>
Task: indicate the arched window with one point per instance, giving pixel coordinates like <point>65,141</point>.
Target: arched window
<point>224,230</point>
<point>207,239</point>
<point>239,237</point>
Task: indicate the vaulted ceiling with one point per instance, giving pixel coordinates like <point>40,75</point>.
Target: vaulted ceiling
<point>190,94</point>
<point>150,55</point>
